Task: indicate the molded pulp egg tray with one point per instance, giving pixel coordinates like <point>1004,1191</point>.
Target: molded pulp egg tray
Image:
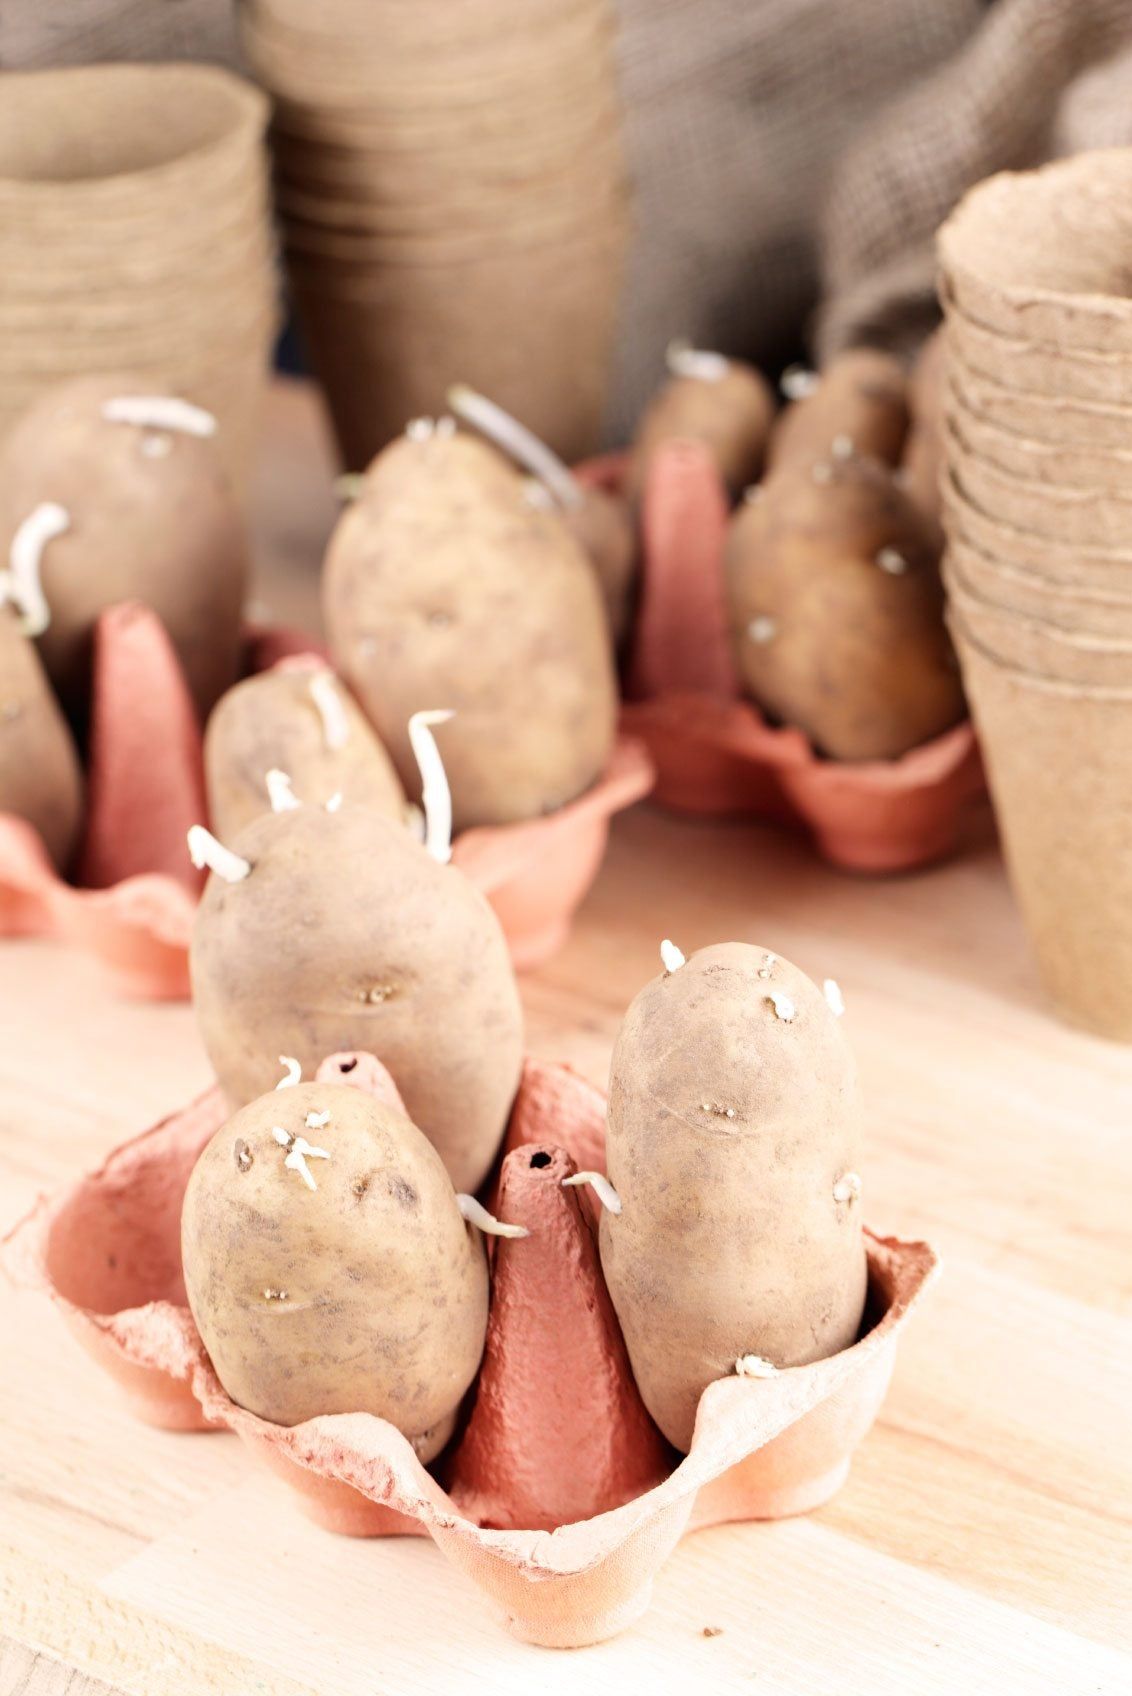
<point>145,787</point>
<point>556,1433</point>
<point>715,753</point>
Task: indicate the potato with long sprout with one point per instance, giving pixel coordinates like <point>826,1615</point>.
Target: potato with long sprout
<point>150,518</point>
<point>443,582</point>
<point>326,930</point>
<point>733,1145</point>
<point>299,719</point>
<point>597,517</point>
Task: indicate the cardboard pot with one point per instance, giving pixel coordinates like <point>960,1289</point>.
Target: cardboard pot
<point>532,328</point>
<point>1045,256</point>
<point>1023,364</point>
<point>1057,420</point>
<point>1033,460</point>
<point>1077,517</point>
<point>1038,647</point>
<point>1059,763</point>
<point>1063,566</point>
<point>106,1252</point>
<point>1072,611</point>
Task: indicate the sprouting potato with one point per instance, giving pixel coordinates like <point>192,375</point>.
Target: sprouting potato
<point>837,610</point>
<point>859,404</point>
<point>734,1146</point>
<point>149,517</point>
<point>329,1268</point>
<point>723,403</point>
<point>323,931</point>
<point>446,586</point>
<point>598,518</point>
<point>40,777</point>
<point>301,720</point>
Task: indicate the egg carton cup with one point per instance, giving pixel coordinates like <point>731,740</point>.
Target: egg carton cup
<point>715,754</point>
<point>1045,256</point>
<point>146,787</point>
<point>106,1252</point>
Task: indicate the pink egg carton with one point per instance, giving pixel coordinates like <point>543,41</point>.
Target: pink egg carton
<point>715,753</point>
<point>556,1436</point>
<point>136,892</point>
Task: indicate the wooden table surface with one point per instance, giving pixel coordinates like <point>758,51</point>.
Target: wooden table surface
<point>983,1540</point>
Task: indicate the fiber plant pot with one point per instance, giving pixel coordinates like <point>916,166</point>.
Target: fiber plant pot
<point>1059,762</point>
<point>715,754</point>
<point>106,1252</point>
<point>1086,517</point>
<point>134,904</point>
<point>1037,647</point>
<point>452,195</point>
<point>1072,611</point>
<point>1103,379</point>
<point>1042,256</point>
<point>1017,454</point>
<point>1080,570</point>
<point>135,204</point>
<point>1060,421</point>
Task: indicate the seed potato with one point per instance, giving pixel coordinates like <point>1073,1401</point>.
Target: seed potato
<point>734,1125</point>
<point>730,409</point>
<point>345,934</point>
<point>40,777</point>
<point>837,610</point>
<point>301,721</point>
<point>152,519</point>
<point>860,403</point>
<point>328,1267</point>
<point>444,586</point>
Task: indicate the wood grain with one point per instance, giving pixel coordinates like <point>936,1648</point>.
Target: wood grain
<point>983,1542</point>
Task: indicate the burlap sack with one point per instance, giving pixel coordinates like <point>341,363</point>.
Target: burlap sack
<point>1059,763</point>
<point>1071,611</point>
<point>1082,424</point>
<point>1078,517</point>
<point>1040,649</point>
<point>1046,256</point>
<point>995,105</point>
<point>35,37</point>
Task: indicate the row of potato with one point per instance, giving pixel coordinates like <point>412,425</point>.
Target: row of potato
<point>483,579</point>
<point>332,1239</point>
